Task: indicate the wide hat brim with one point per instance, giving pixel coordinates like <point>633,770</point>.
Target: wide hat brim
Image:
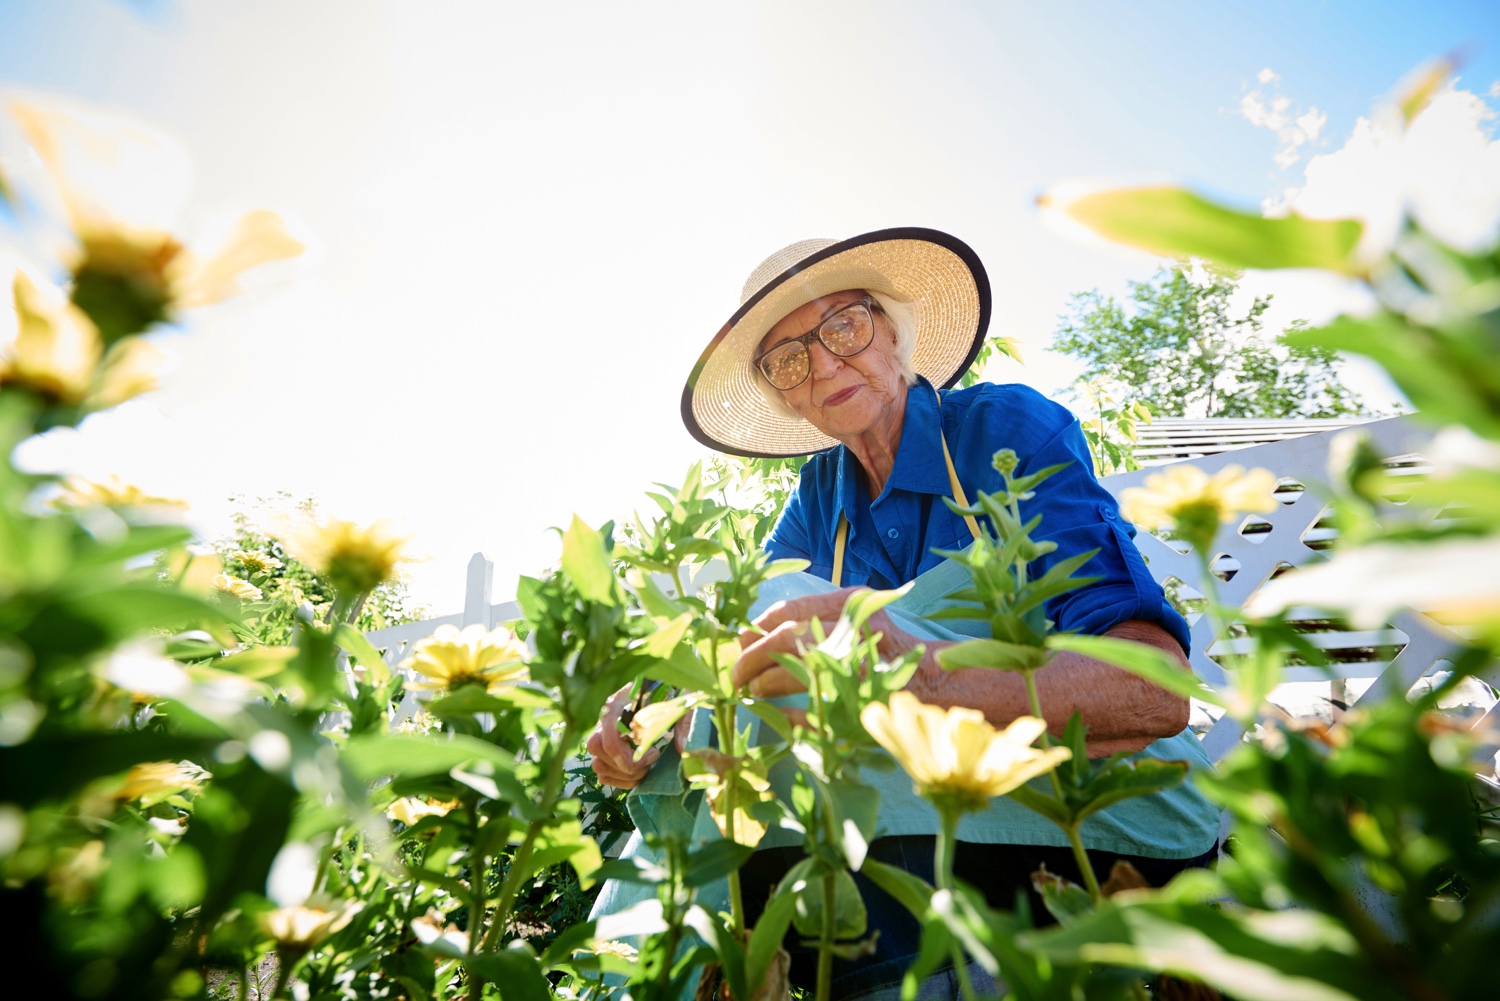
<point>939,274</point>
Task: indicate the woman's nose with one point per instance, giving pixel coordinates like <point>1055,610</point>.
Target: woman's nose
<point>824,363</point>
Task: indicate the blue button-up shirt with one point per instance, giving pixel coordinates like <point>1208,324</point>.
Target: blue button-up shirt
<point>892,537</point>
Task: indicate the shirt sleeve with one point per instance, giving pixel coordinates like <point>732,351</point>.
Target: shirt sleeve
<point>1079,515</point>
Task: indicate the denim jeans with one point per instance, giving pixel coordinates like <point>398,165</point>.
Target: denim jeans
<point>1000,872</point>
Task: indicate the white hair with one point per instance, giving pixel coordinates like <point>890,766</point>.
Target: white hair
<point>902,317</point>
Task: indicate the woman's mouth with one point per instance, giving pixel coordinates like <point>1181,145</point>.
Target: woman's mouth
<point>842,396</point>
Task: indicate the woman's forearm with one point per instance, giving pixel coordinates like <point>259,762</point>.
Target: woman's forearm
<point>1123,712</point>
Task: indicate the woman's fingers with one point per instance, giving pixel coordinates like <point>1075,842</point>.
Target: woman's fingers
<point>626,773</point>
<point>759,656</point>
<point>776,681</point>
<point>614,756</point>
<point>827,607</point>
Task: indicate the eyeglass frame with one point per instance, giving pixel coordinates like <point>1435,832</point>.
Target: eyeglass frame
<point>805,340</point>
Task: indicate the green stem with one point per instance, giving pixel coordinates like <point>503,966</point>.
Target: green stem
<point>1035,698</point>
<point>283,972</point>
<point>947,842</point>
<point>729,739</point>
<point>478,881</point>
<point>942,865</point>
<point>670,896</point>
<point>1084,866</point>
<point>551,786</point>
<point>825,940</point>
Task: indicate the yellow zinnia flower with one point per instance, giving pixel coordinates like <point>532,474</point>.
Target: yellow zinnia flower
<point>410,809</point>
<point>611,947</point>
<point>153,781</point>
<point>355,559</point>
<point>58,354</point>
<point>56,349</point>
<point>450,658</point>
<point>305,925</point>
<point>132,367</point>
<point>110,492</point>
<point>120,183</point>
<point>955,755</point>
<point>255,562</point>
<point>236,588</point>
<point>1187,498</point>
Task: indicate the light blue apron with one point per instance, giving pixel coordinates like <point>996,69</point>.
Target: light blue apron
<point>1175,824</point>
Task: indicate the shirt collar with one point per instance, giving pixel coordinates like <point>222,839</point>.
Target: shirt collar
<point>919,464</point>
<point>919,458</point>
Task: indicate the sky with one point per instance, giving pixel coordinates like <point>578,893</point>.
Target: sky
<point>525,221</point>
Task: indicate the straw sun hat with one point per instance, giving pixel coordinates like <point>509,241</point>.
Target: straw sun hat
<point>939,275</point>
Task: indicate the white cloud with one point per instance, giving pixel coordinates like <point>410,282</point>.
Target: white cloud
<point>1266,109</point>
<point>1444,168</point>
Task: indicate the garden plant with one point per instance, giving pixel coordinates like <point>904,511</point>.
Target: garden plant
<point>183,792</point>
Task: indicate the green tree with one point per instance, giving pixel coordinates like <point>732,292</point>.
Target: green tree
<point>1179,347</point>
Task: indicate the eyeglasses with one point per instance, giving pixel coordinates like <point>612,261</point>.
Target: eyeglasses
<point>845,334</point>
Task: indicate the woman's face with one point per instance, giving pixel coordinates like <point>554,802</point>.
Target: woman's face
<point>842,397</point>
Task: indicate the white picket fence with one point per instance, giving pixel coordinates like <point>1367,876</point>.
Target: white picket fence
<point>1251,552</point>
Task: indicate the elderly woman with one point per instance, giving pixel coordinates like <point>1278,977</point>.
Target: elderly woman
<point>845,349</point>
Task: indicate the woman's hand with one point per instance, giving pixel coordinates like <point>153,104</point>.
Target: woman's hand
<point>783,628</point>
<point>614,756</point>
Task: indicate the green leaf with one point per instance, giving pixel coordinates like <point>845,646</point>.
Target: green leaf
<point>1177,223</point>
<point>863,604</point>
<point>805,881</point>
<point>362,650</point>
<point>776,568</point>
<point>731,956</point>
<point>911,892</point>
<point>663,643</point>
<point>1029,482</point>
<point>1149,662</point>
<point>1291,955</point>
<point>633,870</point>
<point>856,810</point>
<point>515,969</point>
<point>995,654</point>
<point>771,716</point>
<point>126,611</point>
<point>566,842</point>
<point>657,718</point>
<point>406,755</point>
<point>1064,899</point>
<point>1436,385</point>
<point>585,561</point>
<point>471,699</point>
<point>1129,779</point>
<point>769,932</point>
<point>684,669</point>
<point>528,596</point>
<point>1050,807</point>
<point>570,939</point>
<point>715,860</point>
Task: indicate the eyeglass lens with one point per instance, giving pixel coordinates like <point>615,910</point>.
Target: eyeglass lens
<point>846,333</point>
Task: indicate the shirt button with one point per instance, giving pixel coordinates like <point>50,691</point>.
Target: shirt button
<point>891,533</point>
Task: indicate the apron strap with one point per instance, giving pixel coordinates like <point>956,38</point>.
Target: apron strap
<point>841,539</point>
<point>839,542</point>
